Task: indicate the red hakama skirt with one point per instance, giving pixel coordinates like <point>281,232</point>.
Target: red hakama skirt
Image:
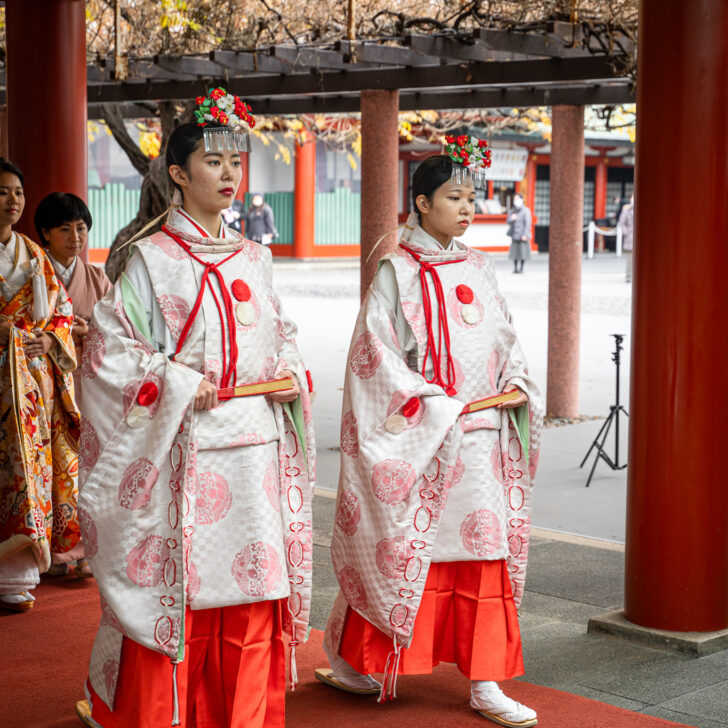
<point>467,617</point>
<point>232,676</point>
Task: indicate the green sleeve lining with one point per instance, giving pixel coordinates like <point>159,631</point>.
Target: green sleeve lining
<point>521,421</point>
<point>135,308</point>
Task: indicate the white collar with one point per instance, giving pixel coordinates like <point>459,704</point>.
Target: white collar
<point>182,220</point>
<point>63,272</point>
<point>425,240</point>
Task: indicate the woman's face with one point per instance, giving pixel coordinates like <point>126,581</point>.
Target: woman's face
<point>451,210</point>
<point>210,180</point>
<point>12,199</point>
<point>66,241</point>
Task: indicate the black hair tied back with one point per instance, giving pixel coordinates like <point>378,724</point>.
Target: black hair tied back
<point>432,174</point>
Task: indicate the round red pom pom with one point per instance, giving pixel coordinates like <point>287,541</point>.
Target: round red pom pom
<point>241,290</point>
<point>411,407</point>
<point>148,394</point>
<point>464,293</point>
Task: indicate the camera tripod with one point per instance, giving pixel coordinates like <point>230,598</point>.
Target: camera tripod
<point>613,417</point>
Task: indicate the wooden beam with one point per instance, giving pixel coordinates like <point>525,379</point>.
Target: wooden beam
<point>314,59</point>
<point>254,63</point>
<point>191,66</point>
<point>387,55</point>
<point>529,44</point>
<point>529,73</point>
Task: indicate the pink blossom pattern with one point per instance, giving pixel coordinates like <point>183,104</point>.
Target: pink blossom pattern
<point>353,588</point>
<point>267,370</point>
<point>252,251</point>
<point>447,480</point>
<point>90,449</point>
<point>391,556</point>
<point>348,513</point>
<point>366,355</point>
<point>455,308</point>
<point>349,435</point>
<point>94,348</point>
<point>257,569</point>
<point>108,616</point>
<point>399,398</point>
<point>131,392</point>
<point>337,628</point>
<point>481,533</point>
<point>190,480</point>
<point>475,259</point>
<point>193,581</point>
<point>168,246</point>
<point>271,486</point>
<point>392,480</point>
<point>212,371</point>
<point>175,311</point>
<point>111,673</point>
<point>88,532</point>
<point>145,562</point>
<point>213,498</point>
<point>135,489</point>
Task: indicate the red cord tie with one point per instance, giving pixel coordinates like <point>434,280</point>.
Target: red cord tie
<point>226,311</point>
<point>443,330</point>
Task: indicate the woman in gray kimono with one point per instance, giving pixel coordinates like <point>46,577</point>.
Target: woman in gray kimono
<point>519,231</point>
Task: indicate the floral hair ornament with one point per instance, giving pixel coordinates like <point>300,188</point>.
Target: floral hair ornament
<point>234,116</point>
<point>472,159</point>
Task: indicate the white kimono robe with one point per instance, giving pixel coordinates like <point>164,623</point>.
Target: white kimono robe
<point>181,507</point>
<point>421,481</point>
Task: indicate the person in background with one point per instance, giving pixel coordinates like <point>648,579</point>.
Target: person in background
<point>39,420</point>
<point>626,223</point>
<point>519,231</point>
<point>63,222</point>
<point>259,222</point>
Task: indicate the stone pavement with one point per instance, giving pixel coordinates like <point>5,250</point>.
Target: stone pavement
<point>576,564</point>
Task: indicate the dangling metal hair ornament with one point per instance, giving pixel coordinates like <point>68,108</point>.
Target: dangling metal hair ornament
<point>232,113</point>
<point>471,158</point>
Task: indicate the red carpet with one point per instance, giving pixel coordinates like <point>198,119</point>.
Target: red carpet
<point>45,657</point>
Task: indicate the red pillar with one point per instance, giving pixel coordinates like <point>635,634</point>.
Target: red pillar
<point>46,92</point>
<point>304,199</point>
<point>379,178</point>
<point>600,188</point>
<point>677,500</point>
<point>490,189</point>
<point>565,247</point>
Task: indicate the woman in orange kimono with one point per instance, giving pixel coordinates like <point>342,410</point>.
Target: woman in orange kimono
<point>39,421</point>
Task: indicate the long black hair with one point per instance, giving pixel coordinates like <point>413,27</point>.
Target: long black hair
<point>182,143</point>
<point>432,174</point>
<point>57,209</point>
<point>10,168</point>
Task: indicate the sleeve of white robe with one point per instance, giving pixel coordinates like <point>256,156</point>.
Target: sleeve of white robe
<point>136,272</point>
<point>385,284</point>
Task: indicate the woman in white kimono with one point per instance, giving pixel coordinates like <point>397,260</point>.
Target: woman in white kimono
<point>439,443</point>
<point>195,497</point>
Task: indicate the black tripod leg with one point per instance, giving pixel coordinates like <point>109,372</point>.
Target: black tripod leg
<point>600,446</point>
<point>596,439</point>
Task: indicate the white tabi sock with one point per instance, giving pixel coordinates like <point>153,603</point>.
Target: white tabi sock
<point>487,696</point>
<point>346,674</point>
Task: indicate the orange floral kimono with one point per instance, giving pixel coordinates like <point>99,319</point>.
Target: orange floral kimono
<point>39,420</point>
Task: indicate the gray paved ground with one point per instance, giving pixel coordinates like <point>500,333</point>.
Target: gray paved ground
<point>576,563</point>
